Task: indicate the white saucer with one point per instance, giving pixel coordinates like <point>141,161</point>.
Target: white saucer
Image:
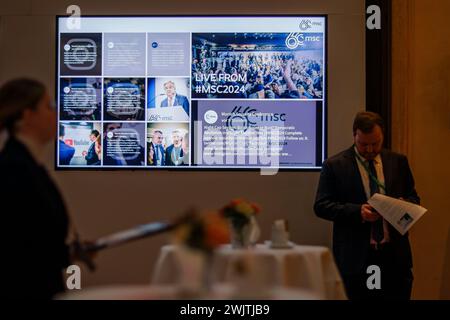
<point>287,245</point>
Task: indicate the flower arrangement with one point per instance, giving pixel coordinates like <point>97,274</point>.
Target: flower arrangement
<point>239,211</point>
<point>244,228</point>
<point>198,234</point>
<point>203,232</point>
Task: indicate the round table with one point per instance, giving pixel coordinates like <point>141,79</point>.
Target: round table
<point>307,268</point>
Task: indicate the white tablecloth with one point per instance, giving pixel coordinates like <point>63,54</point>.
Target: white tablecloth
<point>308,268</point>
<point>151,292</point>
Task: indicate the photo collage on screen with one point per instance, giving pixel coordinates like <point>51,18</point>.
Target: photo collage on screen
<point>190,99</point>
<point>124,99</point>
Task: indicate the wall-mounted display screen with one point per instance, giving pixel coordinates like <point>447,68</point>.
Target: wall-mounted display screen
<point>202,92</point>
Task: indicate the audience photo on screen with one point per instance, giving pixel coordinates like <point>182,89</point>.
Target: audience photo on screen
<point>249,66</point>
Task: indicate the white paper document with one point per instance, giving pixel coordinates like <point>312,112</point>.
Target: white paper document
<point>402,215</point>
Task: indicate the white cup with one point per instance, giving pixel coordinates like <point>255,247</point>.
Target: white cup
<point>280,234</point>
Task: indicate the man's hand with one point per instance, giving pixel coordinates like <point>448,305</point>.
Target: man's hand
<point>368,214</point>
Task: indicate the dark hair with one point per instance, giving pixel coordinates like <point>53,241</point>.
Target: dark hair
<point>366,121</point>
<point>95,133</point>
<point>15,97</point>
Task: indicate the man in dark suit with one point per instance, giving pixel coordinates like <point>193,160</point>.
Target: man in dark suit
<point>156,156</point>
<point>66,152</point>
<point>173,99</point>
<point>361,237</point>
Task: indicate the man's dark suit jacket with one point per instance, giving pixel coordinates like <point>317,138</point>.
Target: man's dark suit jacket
<point>339,198</point>
<point>180,100</point>
<point>153,161</point>
<point>34,227</point>
<point>168,157</point>
<point>66,153</point>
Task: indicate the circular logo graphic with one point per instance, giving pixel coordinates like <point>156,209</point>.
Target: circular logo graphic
<point>110,45</point>
<point>238,123</point>
<point>110,135</point>
<point>239,119</point>
<point>211,116</point>
<point>154,45</point>
<point>81,54</point>
<point>305,24</point>
<point>110,90</point>
<point>66,89</point>
<point>67,47</point>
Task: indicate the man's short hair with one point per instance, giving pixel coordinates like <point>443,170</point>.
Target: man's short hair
<point>366,121</point>
<point>157,131</point>
<point>167,82</point>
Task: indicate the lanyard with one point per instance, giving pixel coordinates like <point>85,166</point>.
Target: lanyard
<point>371,176</point>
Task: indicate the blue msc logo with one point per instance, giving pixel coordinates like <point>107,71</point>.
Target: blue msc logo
<point>155,45</point>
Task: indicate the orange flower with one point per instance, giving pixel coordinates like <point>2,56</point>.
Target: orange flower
<point>256,208</point>
<point>236,202</point>
<point>216,230</point>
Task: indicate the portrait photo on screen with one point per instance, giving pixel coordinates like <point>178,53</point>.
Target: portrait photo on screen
<point>168,144</point>
<point>257,66</point>
<point>124,144</point>
<point>80,99</point>
<point>168,99</point>
<point>124,99</point>
<point>80,144</point>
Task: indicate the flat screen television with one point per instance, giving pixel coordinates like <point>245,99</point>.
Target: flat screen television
<point>191,92</point>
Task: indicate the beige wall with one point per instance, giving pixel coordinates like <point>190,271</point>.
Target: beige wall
<point>103,202</point>
<point>421,127</point>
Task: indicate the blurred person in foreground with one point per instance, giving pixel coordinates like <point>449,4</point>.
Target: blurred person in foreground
<point>35,221</point>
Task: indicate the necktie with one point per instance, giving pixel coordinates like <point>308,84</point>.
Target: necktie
<point>377,226</point>
<point>157,155</point>
<point>170,102</point>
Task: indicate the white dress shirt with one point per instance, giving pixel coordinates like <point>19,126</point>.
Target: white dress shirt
<point>378,163</point>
